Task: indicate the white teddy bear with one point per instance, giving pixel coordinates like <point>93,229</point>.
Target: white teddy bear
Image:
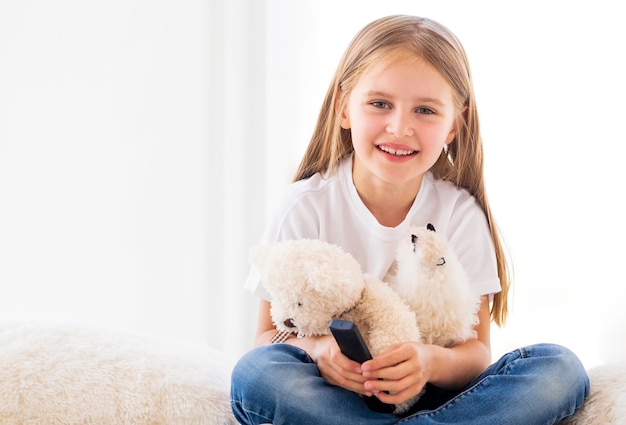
<point>428,275</point>
<point>312,282</point>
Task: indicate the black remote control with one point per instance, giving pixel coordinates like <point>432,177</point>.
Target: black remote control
<point>353,346</point>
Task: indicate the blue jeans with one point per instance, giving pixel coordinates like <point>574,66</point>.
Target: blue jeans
<point>540,384</point>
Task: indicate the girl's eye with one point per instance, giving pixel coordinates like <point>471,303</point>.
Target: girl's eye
<point>425,111</point>
<point>380,104</point>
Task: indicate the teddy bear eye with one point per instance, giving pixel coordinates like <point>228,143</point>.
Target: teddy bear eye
<point>414,239</point>
<point>299,304</point>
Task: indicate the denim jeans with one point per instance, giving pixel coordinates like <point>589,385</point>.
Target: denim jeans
<point>280,384</point>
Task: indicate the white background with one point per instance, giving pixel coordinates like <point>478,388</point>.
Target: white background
<point>144,143</point>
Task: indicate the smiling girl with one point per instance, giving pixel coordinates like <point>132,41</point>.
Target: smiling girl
<point>397,144</point>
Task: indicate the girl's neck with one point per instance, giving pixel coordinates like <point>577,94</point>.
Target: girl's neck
<point>389,203</point>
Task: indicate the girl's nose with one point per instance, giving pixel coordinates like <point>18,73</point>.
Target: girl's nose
<point>400,125</point>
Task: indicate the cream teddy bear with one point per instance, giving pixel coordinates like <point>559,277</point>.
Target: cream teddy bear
<point>428,297</point>
<point>312,282</point>
<point>428,275</point>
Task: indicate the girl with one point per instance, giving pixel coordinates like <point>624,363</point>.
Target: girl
<point>397,144</point>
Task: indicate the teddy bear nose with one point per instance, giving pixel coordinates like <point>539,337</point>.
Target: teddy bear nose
<point>289,323</point>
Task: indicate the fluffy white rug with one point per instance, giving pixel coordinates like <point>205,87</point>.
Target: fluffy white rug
<point>71,375</point>
<point>65,374</point>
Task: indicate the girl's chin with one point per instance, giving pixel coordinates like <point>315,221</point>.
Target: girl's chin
<point>398,178</point>
<point>394,171</point>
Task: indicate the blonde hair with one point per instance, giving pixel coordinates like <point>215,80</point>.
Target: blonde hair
<point>461,163</point>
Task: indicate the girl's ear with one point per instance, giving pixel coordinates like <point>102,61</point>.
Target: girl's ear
<point>344,119</point>
<point>452,134</point>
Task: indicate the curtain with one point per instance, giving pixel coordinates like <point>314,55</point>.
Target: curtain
<point>237,165</point>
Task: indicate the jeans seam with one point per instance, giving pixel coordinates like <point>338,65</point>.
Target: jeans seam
<point>248,412</point>
<point>449,403</point>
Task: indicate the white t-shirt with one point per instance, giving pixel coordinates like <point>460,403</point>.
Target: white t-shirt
<point>329,208</point>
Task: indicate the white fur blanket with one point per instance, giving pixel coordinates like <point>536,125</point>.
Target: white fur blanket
<point>71,375</point>
<point>62,374</point>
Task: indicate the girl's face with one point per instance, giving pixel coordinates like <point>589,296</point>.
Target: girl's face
<point>400,116</point>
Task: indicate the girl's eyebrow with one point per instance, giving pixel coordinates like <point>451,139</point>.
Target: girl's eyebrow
<point>376,93</point>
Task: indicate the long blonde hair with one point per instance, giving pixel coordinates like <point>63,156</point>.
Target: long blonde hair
<point>461,163</point>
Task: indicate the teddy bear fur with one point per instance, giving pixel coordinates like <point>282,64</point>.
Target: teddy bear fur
<point>312,282</point>
<point>428,275</point>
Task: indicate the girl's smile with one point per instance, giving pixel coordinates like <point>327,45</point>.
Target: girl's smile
<point>396,152</point>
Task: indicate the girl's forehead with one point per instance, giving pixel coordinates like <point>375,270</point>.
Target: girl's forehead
<point>377,68</point>
<point>398,56</point>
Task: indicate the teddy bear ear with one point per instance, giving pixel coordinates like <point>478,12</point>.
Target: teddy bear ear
<point>430,227</point>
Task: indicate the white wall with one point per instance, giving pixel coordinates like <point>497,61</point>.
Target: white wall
<point>144,143</point>
<point>104,164</point>
<point>131,139</point>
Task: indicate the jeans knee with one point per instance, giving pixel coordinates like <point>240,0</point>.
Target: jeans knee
<point>265,367</point>
<point>560,367</point>
<point>575,371</point>
<point>566,363</point>
<point>249,371</point>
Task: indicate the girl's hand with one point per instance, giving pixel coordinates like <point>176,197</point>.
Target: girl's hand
<point>336,368</point>
<point>404,370</point>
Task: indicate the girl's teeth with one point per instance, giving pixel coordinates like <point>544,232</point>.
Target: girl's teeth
<point>399,152</point>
